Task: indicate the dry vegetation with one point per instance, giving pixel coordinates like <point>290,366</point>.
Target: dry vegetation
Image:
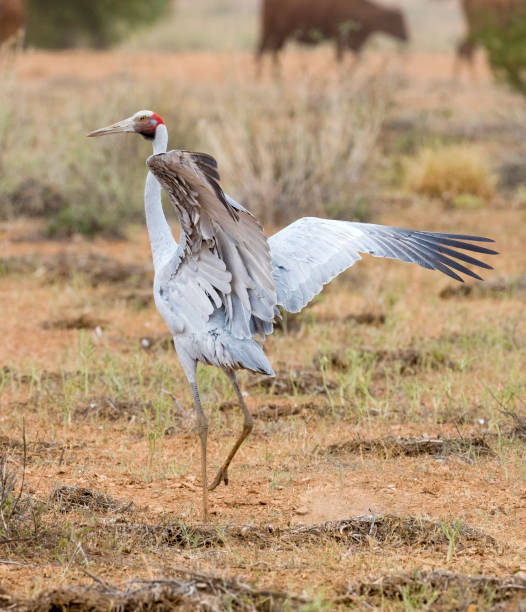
<point>387,467</point>
<point>452,173</point>
<point>317,167</point>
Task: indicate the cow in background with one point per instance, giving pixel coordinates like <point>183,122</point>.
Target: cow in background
<point>348,22</point>
<point>12,19</point>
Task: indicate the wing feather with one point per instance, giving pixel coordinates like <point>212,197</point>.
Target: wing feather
<point>224,258</point>
<point>310,252</point>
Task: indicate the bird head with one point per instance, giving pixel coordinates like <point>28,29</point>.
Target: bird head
<point>144,122</point>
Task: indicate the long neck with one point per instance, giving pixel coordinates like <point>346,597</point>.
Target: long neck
<point>161,239</point>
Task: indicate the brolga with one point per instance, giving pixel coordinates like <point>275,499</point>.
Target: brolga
<point>220,289</point>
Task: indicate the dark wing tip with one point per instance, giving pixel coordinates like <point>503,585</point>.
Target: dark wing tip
<point>205,158</point>
<point>448,272</point>
<point>445,252</point>
<point>461,237</point>
<point>456,241</point>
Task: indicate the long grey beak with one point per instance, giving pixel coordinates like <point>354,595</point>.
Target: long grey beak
<point>126,125</point>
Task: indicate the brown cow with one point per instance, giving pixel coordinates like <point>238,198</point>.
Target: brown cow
<point>348,22</point>
<point>12,18</point>
<point>481,13</point>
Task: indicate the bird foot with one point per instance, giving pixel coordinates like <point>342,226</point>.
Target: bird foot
<point>222,476</point>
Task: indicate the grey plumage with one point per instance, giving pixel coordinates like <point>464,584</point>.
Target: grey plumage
<point>227,279</point>
<point>220,289</point>
<point>219,282</point>
<point>220,292</point>
<point>310,252</point>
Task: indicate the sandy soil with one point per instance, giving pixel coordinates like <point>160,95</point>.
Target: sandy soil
<point>284,474</point>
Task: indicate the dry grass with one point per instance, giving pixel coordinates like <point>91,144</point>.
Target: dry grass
<point>190,591</point>
<point>299,148</point>
<point>412,447</point>
<point>70,498</point>
<point>78,186</point>
<point>496,287</point>
<point>379,360</point>
<point>456,173</point>
<point>443,590</point>
<point>93,268</point>
<point>364,531</point>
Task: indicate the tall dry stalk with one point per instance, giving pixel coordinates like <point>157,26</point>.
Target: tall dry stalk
<point>296,148</point>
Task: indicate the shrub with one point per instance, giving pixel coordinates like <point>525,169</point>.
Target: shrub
<point>504,39</point>
<point>291,149</point>
<point>450,172</point>
<point>284,149</point>
<point>48,168</point>
<point>95,23</point>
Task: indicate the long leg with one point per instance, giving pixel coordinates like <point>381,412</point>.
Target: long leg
<point>340,48</point>
<point>248,424</point>
<point>276,64</point>
<point>465,51</point>
<point>202,425</point>
<point>258,62</point>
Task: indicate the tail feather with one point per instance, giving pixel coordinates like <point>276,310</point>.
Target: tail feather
<point>249,354</point>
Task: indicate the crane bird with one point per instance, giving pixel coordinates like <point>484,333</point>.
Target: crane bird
<point>219,289</point>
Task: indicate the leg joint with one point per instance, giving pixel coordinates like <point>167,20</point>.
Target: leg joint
<point>202,424</point>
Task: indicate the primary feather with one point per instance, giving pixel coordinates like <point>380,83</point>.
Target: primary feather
<point>223,259</point>
<point>221,287</point>
<point>228,278</point>
<point>310,252</point>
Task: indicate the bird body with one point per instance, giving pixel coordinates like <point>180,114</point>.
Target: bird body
<point>219,290</point>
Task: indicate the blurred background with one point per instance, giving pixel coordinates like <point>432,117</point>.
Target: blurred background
<point>333,109</point>
<point>211,25</point>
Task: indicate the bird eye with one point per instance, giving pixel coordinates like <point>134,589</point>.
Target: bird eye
<point>143,118</point>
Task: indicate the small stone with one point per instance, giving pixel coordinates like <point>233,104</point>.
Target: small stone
<point>301,511</point>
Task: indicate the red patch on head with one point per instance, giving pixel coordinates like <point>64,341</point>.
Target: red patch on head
<point>147,124</point>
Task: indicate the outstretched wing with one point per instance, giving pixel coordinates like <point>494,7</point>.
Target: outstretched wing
<point>223,259</point>
<point>310,252</point>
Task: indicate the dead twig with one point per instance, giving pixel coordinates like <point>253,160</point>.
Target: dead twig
<point>413,447</point>
<point>17,500</point>
<point>178,405</point>
<point>98,580</point>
